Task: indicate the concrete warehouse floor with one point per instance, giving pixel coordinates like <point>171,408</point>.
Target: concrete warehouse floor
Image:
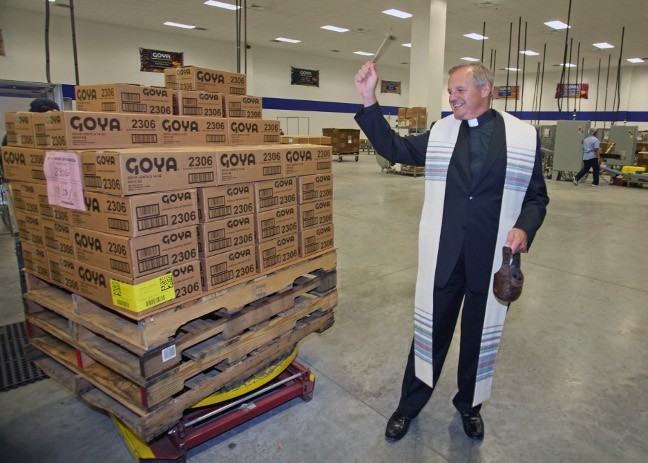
<point>570,385</point>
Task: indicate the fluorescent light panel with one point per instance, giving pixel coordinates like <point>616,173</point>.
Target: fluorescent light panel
<point>511,69</point>
<point>335,28</point>
<point>474,36</point>
<point>635,60</point>
<point>408,45</point>
<point>568,65</point>
<point>603,45</point>
<point>227,6</point>
<point>180,25</point>
<point>558,25</point>
<point>469,58</point>
<point>283,39</point>
<point>397,13</point>
<point>363,53</point>
<point>529,53</point>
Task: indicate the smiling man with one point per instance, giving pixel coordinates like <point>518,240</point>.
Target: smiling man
<point>484,189</point>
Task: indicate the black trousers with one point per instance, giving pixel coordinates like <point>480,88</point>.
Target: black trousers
<point>587,165</point>
<point>447,305</point>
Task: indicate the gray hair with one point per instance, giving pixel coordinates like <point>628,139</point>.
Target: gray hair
<point>481,74</point>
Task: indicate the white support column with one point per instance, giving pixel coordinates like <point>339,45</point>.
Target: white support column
<point>427,72</point>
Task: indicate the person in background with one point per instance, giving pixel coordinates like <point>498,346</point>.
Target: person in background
<point>591,157</point>
<point>484,189</point>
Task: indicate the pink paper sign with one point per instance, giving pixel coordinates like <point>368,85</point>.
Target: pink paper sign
<point>64,184</point>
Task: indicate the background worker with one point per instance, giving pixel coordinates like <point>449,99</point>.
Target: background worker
<point>591,157</point>
<point>484,189</point>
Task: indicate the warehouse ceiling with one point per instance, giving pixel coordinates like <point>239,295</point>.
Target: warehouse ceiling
<point>592,21</point>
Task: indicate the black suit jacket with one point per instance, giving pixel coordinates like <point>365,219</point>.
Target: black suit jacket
<point>472,206</point>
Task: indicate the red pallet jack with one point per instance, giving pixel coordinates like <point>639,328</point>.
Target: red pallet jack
<point>221,412</point>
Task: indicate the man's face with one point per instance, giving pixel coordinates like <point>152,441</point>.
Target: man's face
<point>467,100</point>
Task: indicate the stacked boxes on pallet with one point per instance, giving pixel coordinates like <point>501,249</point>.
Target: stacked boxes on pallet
<point>183,213</point>
<point>343,141</point>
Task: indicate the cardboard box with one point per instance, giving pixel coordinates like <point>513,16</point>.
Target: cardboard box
<point>123,98</point>
<point>278,251</point>
<point>137,215</point>
<point>24,164</point>
<point>315,214</point>
<point>180,131</point>
<point>224,235</point>
<point>197,103</point>
<point>253,131</point>
<point>25,197</point>
<point>275,223</point>
<point>249,164</point>
<point>307,160</point>
<point>10,129</point>
<point>225,201</point>
<point>228,267</point>
<point>271,194</point>
<point>136,171</point>
<point>30,227</point>
<point>135,257</point>
<point>316,239</point>
<point>205,79</point>
<point>95,130</point>
<point>246,106</point>
<point>315,188</point>
<point>59,237</point>
<point>402,113</point>
<point>35,260</point>
<point>110,289</point>
<point>24,129</point>
<point>62,269</point>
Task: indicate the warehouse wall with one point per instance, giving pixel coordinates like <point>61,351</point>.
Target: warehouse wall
<point>110,54</point>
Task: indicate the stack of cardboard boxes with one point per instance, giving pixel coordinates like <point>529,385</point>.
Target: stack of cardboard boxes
<point>343,141</point>
<point>187,181</point>
<point>414,117</point>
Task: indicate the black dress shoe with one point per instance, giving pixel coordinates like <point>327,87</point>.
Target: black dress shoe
<point>397,426</point>
<point>473,424</point>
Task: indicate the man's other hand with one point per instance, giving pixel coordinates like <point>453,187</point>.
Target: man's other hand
<point>516,240</point>
<point>366,80</point>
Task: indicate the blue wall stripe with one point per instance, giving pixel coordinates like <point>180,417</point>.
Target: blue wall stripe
<point>288,104</point>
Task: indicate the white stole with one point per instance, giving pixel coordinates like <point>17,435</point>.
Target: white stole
<point>521,149</point>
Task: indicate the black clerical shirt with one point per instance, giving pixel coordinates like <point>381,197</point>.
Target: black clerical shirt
<point>480,131</point>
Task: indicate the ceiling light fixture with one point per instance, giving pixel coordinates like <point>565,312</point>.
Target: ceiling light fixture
<point>603,45</point>
<point>408,45</point>
<point>227,6</point>
<point>474,36</point>
<point>363,53</point>
<point>529,53</point>
<point>635,60</point>
<point>398,13</point>
<point>469,58</point>
<point>511,69</point>
<point>558,25</point>
<point>335,28</point>
<point>180,25</point>
<point>568,65</point>
<point>283,39</point>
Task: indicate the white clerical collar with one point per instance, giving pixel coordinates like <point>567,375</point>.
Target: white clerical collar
<point>473,122</point>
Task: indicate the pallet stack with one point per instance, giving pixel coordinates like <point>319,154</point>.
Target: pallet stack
<point>343,141</point>
<point>204,250</point>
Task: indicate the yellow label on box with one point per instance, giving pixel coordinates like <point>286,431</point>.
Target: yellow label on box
<point>138,298</point>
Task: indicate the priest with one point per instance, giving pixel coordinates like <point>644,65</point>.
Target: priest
<point>484,189</point>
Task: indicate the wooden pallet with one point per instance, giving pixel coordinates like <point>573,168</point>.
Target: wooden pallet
<point>153,333</point>
<point>118,379</point>
<point>152,423</point>
<point>91,340</point>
